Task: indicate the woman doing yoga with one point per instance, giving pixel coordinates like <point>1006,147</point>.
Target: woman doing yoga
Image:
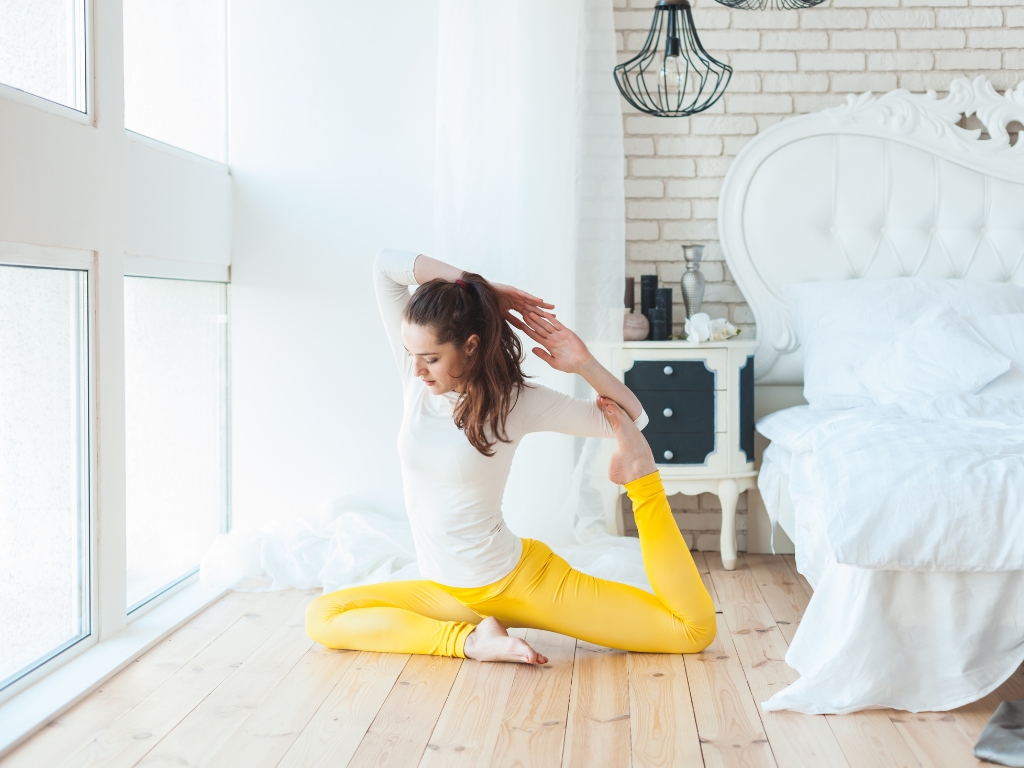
<point>467,407</point>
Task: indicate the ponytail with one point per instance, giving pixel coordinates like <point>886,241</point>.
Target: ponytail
<point>454,312</point>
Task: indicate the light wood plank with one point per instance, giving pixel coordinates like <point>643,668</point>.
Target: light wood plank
<point>973,717</point>
<point>790,561</point>
<point>265,737</point>
<point>937,740</point>
<point>700,561</point>
<point>598,728</point>
<point>785,597</point>
<point>399,734</point>
<point>333,734</point>
<point>1013,687</point>
<point>731,733</point>
<point>129,739</point>
<point>796,739</point>
<point>664,732</point>
<point>199,736</point>
<point>870,740</point>
<point>533,724</point>
<point>728,721</point>
<point>72,730</point>
<point>467,730</point>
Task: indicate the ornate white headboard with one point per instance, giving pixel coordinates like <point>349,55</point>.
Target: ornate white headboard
<point>882,186</point>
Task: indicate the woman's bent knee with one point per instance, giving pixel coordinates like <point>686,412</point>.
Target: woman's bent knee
<point>318,617</point>
<point>696,634</point>
<point>705,632</point>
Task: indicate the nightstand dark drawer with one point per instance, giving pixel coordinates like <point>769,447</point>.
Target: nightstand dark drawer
<point>683,412</point>
<point>675,375</point>
<point>682,448</point>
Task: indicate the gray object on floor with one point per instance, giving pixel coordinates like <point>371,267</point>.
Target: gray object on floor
<point>1002,740</point>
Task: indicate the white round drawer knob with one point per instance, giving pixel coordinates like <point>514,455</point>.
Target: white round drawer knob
<point>668,370</point>
<point>667,413</point>
<point>669,455</point>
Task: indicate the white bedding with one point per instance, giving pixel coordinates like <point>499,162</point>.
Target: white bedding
<point>927,486</point>
<point>879,637</point>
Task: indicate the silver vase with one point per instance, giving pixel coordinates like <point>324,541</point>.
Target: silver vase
<point>693,279</point>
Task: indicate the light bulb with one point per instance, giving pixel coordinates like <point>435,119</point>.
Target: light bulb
<point>672,75</point>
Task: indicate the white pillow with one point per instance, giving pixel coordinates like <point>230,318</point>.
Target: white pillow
<point>940,354</point>
<point>839,323</point>
<point>1005,334</point>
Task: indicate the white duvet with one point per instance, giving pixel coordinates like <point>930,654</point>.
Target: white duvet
<point>909,527</point>
<point>927,486</point>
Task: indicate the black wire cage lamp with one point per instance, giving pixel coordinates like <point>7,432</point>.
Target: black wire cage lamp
<point>684,78</point>
<point>760,5</point>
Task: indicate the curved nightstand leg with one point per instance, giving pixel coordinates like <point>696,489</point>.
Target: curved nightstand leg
<point>728,495</point>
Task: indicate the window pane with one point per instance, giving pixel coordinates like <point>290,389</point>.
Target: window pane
<point>44,449</point>
<point>42,49</point>
<point>175,73</point>
<point>175,428</point>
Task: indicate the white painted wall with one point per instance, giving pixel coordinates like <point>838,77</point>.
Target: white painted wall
<point>332,125</point>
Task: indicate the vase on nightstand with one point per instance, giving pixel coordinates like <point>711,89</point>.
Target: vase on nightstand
<point>692,282</point>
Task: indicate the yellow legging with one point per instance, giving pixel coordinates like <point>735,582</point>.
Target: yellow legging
<point>542,592</point>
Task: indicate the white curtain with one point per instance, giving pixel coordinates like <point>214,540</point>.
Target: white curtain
<point>529,191</point>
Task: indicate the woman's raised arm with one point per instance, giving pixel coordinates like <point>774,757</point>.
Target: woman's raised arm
<point>564,351</point>
<point>392,276</point>
<point>428,269</point>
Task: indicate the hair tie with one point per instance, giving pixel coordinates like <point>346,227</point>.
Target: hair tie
<point>461,283</point>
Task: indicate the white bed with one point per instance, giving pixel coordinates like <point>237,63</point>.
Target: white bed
<point>884,187</point>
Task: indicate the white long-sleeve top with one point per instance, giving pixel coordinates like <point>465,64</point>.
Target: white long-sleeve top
<point>453,492</point>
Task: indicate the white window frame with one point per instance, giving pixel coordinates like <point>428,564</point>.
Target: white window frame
<point>22,255</point>
<point>165,269</point>
<point>71,674</point>
<point>103,246</point>
<point>41,102</point>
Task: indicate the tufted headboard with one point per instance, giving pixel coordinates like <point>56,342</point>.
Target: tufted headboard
<point>881,186</point>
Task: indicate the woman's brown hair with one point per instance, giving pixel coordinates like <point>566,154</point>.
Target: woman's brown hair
<point>494,374</point>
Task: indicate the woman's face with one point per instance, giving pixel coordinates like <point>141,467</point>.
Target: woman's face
<point>439,366</point>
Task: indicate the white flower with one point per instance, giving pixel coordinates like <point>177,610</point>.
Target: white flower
<point>701,327</point>
<point>698,328</point>
<point>722,329</point>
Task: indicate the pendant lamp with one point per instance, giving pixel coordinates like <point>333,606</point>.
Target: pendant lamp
<point>673,76</point>
<point>760,5</point>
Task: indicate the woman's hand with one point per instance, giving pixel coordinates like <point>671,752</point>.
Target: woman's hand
<point>513,299</point>
<point>562,349</point>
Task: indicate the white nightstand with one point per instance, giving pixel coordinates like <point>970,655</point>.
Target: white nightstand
<point>700,399</point>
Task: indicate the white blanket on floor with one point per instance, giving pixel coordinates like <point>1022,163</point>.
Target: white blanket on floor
<point>350,544</point>
<point>873,637</point>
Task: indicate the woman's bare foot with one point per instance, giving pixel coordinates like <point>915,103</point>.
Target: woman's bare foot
<point>632,458</point>
<point>490,642</point>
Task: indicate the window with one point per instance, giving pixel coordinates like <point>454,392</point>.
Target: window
<point>175,73</point>
<point>42,49</point>
<point>44,465</point>
<point>175,428</point>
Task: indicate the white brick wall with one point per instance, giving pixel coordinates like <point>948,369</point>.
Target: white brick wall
<point>699,518</point>
<point>785,63</point>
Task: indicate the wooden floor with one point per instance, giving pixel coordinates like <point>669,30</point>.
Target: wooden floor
<point>242,685</point>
